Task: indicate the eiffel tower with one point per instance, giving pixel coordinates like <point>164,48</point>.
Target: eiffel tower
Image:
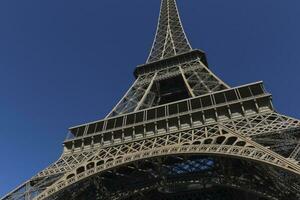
<point>179,132</point>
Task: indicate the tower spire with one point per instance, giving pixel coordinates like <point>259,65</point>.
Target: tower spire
<point>170,38</point>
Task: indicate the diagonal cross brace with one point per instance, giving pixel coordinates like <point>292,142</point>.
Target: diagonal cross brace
<point>170,38</point>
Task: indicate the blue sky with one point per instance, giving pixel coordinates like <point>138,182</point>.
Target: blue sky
<point>66,62</point>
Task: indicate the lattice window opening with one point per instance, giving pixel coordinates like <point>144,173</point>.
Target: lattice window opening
<point>171,90</point>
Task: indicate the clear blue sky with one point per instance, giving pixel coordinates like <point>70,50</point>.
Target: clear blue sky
<point>65,62</point>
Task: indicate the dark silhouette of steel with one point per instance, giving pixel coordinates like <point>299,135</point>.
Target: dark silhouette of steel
<point>179,132</point>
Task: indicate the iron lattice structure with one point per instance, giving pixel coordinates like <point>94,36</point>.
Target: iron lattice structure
<point>179,132</point>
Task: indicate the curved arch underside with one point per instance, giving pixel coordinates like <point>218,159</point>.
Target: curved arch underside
<point>214,141</point>
<point>194,177</point>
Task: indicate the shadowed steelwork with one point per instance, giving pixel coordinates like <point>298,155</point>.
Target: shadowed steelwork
<point>179,132</point>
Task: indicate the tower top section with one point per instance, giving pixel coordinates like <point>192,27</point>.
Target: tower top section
<point>170,39</point>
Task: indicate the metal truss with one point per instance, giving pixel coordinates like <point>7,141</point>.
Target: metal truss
<point>178,125</point>
<point>212,140</point>
<point>31,188</point>
<point>137,96</point>
<point>269,123</point>
<point>166,175</point>
<point>144,93</point>
<point>200,80</point>
<point>204,137</point>
<point>170,37</point>
<point>65,163</point>
<point>296,152</point>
